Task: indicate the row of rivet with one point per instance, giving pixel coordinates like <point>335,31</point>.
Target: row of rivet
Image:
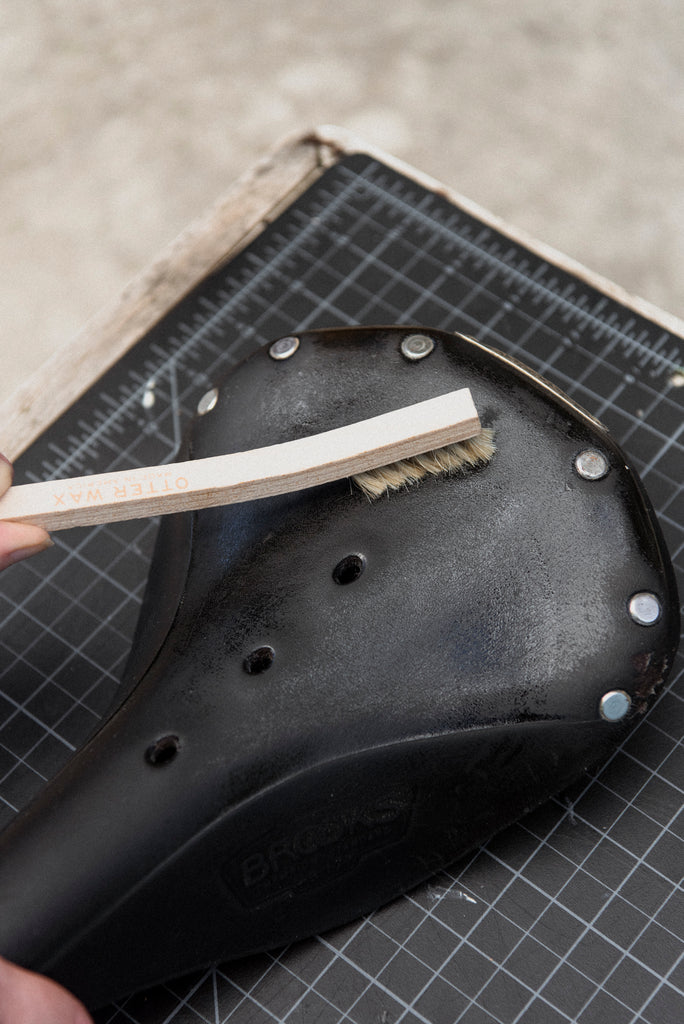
<point>643,607</point>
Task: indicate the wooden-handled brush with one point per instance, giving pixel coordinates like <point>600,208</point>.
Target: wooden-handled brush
<point>382,453</point>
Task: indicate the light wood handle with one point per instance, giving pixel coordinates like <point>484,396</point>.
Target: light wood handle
<point>291,466</point>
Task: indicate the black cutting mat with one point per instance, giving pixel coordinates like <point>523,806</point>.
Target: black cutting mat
<point>574,914</point>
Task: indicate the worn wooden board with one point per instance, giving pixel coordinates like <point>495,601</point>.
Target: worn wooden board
<point>218,235</point>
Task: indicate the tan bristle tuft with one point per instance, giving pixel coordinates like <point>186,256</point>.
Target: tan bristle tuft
<point>476,451</point>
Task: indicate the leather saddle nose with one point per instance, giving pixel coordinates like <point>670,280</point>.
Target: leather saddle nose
<point>329,698</point>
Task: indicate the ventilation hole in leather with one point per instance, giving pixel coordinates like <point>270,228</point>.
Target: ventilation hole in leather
<point>259,660</point>
<point>349,569</point>
<point>163,751</point>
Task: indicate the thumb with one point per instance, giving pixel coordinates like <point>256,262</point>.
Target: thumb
<point>18,540</point>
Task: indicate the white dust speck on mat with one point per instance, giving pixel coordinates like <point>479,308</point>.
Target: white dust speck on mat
<point>149,397</point>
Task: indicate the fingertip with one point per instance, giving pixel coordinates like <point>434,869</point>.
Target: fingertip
<point>28,998</point>
<point>21,540</point>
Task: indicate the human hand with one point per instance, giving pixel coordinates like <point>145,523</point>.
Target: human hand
<point>28,998</point>
<point>25,997</point>
<point>18,540</point>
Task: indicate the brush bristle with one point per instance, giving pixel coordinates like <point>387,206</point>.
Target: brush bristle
<point>476,451</point>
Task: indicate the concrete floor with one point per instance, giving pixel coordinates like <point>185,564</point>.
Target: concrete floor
<point>121,121</point>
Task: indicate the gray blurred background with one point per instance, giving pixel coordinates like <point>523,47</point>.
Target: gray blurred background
<point>122,120</point>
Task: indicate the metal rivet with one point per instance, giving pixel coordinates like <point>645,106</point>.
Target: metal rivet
<point>614,705</point>
<point>416,346</point>
<point>207,402</point>
<point>283,348</point>
<point>644,608</point>
<point>592,465</point>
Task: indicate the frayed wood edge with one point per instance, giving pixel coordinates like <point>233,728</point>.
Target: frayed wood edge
<point>234,221</point>
<point>217,236</point>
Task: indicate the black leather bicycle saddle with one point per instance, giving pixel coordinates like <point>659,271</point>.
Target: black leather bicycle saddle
<point>330,698</point>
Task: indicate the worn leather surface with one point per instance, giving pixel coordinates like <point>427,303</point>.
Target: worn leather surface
<point>405,716</point>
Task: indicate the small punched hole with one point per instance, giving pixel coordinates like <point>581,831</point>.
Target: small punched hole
<point>163,751</point>
<point>259,660</point>
<point>349,569</point>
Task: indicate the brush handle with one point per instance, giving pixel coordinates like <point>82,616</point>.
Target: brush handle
<point>291,466</point>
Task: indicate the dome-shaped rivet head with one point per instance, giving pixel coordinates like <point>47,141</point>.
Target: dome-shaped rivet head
<point>207,402</point>
<point>644,608</point>
<point>416,346</point>
<point>283,348</point>
<point>614,705</point>
<point>591,464</point>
